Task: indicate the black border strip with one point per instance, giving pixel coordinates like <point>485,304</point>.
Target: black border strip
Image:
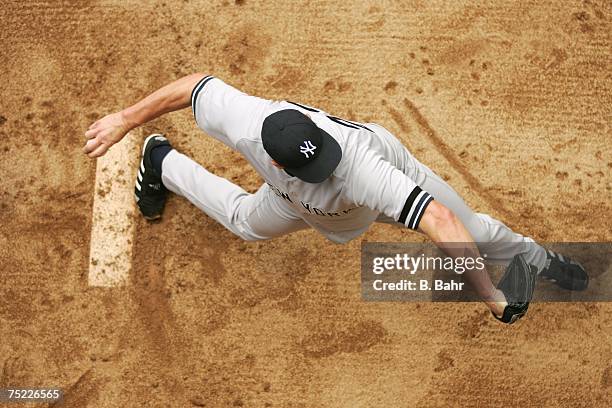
<point>341,122</point>
<point>416,210</point>
<point>304,107</point>
<point>196,91</point>
<point>409,201</point>
<point>347,122</point>
<point>418,220</point>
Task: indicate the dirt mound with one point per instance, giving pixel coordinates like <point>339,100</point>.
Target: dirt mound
<point>508,102</point>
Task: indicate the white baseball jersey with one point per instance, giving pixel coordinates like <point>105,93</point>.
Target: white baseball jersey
<point>370,179</point>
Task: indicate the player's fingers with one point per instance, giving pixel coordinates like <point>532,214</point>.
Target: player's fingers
<point>100,150</point>
<point>103,135</point>
<point>91,145</point>
<point>94,125</point>
<point>91,133</point>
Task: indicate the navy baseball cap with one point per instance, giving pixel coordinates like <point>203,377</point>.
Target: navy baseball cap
<point>296,143</point>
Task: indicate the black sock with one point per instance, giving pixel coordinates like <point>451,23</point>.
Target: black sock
<point>157,157</point>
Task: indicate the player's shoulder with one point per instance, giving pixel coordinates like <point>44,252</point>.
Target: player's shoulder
<point>212,88</point>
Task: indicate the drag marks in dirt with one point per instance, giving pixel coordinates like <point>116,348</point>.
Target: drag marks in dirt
<point>151,286</point>
<point>398,117</point>
<point>152,298</point>
<point>160,337</point>
<point>451,157</point>
<point>606,378</point>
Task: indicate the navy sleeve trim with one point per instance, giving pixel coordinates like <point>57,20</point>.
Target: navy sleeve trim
<point>408,205</point>
<point>344,122</point>
<point>308,108</point>
<point>414,207</point>
<point>416,217</point>
<point>196,91</point>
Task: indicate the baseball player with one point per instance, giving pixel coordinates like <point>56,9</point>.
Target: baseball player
<point>320,171</point>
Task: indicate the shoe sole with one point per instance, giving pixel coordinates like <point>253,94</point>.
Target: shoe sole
<point>142,169</point>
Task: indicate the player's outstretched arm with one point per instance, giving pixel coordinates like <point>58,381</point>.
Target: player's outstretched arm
<point>442,226</point>
<point>107,131</point>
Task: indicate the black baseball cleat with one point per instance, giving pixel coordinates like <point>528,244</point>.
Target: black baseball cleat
<point>564,272</point>
<point>149,191</point>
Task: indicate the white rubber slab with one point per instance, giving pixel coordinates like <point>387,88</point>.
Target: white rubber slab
<point>110,256</point>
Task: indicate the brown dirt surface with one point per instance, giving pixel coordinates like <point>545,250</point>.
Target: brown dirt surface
<point>508,101</point>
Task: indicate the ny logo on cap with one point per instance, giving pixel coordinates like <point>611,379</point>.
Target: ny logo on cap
<point>307,148</point>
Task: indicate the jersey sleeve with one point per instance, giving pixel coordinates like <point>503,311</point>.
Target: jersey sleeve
<point>377,184</point>
<point>224,112</point>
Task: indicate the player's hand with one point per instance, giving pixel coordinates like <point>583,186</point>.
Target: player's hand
<point>497,303</point>
<point>104,133</point>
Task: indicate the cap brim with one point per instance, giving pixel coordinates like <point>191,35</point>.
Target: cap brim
<point>324,164</point>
